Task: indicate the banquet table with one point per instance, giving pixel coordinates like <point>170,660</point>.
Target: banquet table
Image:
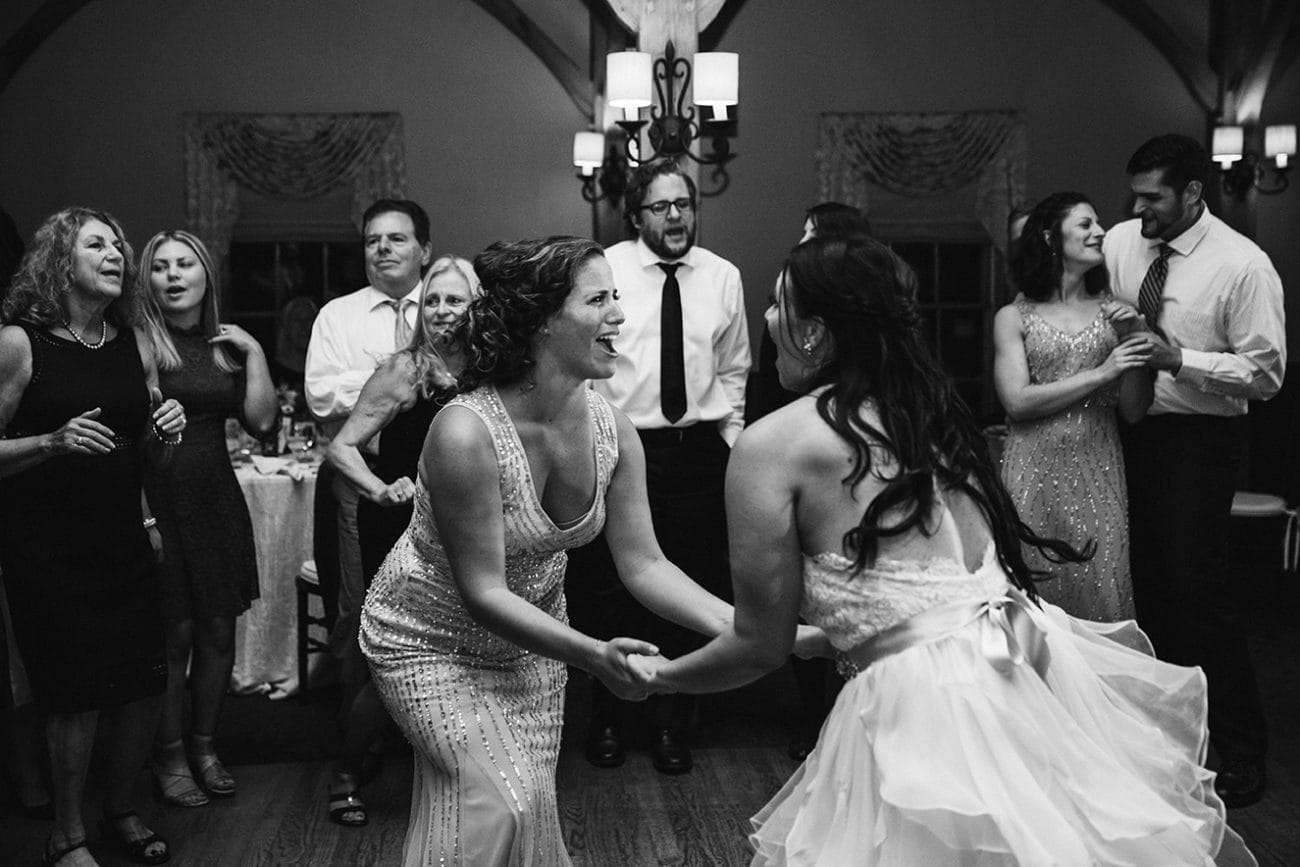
<point>280,505</point>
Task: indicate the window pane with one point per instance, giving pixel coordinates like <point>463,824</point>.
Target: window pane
<point>961,336</point>
<point>251,287</point>
<point>921,257</point>
<point>960,276</point>
<point>347,269</point>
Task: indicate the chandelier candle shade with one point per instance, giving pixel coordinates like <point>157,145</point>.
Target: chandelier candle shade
<point>635,80</point>
<point>1244,170</point>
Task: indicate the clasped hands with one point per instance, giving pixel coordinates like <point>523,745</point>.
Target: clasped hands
<point>1139,345</point>
<point>86,434</point>
<point>631,669</point>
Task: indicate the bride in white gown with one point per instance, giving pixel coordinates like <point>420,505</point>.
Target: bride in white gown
<point>978,725</point>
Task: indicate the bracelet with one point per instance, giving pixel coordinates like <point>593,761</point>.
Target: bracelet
<point>150,522</point>
<point>162,437</point>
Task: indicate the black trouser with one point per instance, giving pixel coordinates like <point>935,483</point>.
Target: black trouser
<point>1182,470</point>
<point>685,474</point>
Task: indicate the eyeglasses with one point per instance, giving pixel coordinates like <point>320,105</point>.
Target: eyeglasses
<point>661,207</point>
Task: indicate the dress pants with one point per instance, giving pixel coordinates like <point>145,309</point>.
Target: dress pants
<point>686,472</point>
<point>1182,470</point>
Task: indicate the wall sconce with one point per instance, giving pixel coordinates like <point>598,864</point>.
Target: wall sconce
<point>633,81</point>
<point>1244,170</point>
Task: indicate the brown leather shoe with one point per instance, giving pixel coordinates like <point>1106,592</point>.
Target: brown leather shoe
<point>1240,782</point>
<point>671,752</point>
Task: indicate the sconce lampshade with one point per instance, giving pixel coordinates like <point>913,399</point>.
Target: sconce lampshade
<point>588,151</point>
<point>1279,143</point>
<point>1227,144</point>
<point>628,81</point>
<point>717,80</point>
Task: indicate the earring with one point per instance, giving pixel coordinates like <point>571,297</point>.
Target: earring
<point>808,346</point>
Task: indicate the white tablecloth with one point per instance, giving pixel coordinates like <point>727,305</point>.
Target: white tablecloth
<point>266,658</point>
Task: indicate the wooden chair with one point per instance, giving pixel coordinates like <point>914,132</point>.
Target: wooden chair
<point>307,583</point>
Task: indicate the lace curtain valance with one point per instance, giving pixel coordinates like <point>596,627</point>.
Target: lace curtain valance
<point>925,155</point>
<point>288,156</point>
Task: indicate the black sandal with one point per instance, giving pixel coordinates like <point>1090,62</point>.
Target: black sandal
<point>345,803</point>
<point>49,859</point>
<point>136,850</point>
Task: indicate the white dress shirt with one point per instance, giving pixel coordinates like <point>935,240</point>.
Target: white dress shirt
<point>715,339</point>
<point>352,335</point>
<point>1222,306</point>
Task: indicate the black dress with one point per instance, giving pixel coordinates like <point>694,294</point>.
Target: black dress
<point>209,566</point>
<point>77,563</point>
<point>400,444</point>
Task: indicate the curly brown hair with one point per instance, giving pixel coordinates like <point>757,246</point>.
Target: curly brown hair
<point>45,276</point>
<point>524,284</point>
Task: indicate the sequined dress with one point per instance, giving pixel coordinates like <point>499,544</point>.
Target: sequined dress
<point>977,729</point>
<point>1065,473</point>
<point>483,714</point>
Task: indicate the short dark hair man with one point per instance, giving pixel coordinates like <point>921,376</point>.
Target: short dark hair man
<point>1214,301</point>
<point>680,377</point>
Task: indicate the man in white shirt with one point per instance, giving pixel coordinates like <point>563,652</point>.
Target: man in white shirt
<point>680,377</point>
<point>351,336</point>
<point>1214,301</point>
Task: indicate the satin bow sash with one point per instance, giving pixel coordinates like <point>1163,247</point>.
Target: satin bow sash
<point>1009,635</point>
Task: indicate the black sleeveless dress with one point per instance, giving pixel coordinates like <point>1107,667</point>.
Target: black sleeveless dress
<point>400,444</point>
<point>209,566</point>
<point>78,566</point>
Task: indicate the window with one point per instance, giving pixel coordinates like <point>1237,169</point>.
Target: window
<point>959,280</point>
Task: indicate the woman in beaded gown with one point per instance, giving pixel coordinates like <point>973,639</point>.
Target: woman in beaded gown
<point>78,554</point>
<point>977,725</point>
<point>464,626</point>
<point>209,567</point>
<point>397,404</point>
<point>1064,376</point>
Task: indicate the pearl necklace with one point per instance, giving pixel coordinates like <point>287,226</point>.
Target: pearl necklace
<point>103,334</point>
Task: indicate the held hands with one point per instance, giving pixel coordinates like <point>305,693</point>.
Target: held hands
<point>1124,318</point>
<point>168,415</point>
<point>613,664</point>
<point>1134,352</point>
<point>238,338</point>
<point>400,491</point>
<point>82,435</point>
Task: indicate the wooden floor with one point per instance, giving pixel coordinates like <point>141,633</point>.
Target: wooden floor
<point>628,816</point>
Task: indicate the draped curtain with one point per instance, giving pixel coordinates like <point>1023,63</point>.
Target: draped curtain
<point>288,156</point>
<point>929,155</point>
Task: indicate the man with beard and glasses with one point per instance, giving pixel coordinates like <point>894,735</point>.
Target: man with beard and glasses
<point>1213,301</point>
<point>682,364</point>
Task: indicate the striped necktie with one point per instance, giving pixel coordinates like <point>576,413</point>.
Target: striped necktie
<point>401,328</point>
<point>1153,286</point>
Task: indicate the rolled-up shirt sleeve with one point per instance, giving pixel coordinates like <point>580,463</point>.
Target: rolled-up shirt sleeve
<point>1254,363</point>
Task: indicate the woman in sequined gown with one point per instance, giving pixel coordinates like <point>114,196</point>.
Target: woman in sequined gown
<point>1065,376</point>
<point>464,626</point>
<point>209,567</point>
<point>976,725</point>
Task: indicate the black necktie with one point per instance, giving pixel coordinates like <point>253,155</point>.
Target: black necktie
<point>1153,287</point>
<point>672,368</point>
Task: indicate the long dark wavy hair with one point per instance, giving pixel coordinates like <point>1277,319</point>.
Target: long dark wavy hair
<point>38,294</point>
<point>524,284</point>
<point>1036,266</point>
<point>866,298</point>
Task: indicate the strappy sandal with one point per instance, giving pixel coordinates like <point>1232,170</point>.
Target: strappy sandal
<point>50,859</point>
<point>214,776</point>
<point>136,850</point>
<point>171,773</point>
<point>348,810</point>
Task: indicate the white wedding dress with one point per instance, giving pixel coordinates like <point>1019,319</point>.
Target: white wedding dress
<point>984,730</point>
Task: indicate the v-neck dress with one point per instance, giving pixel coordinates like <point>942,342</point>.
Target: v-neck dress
<point>483,714</point>
<point>1065,472</point>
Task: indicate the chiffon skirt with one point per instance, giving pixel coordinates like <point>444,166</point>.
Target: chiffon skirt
<point>932,756</point>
